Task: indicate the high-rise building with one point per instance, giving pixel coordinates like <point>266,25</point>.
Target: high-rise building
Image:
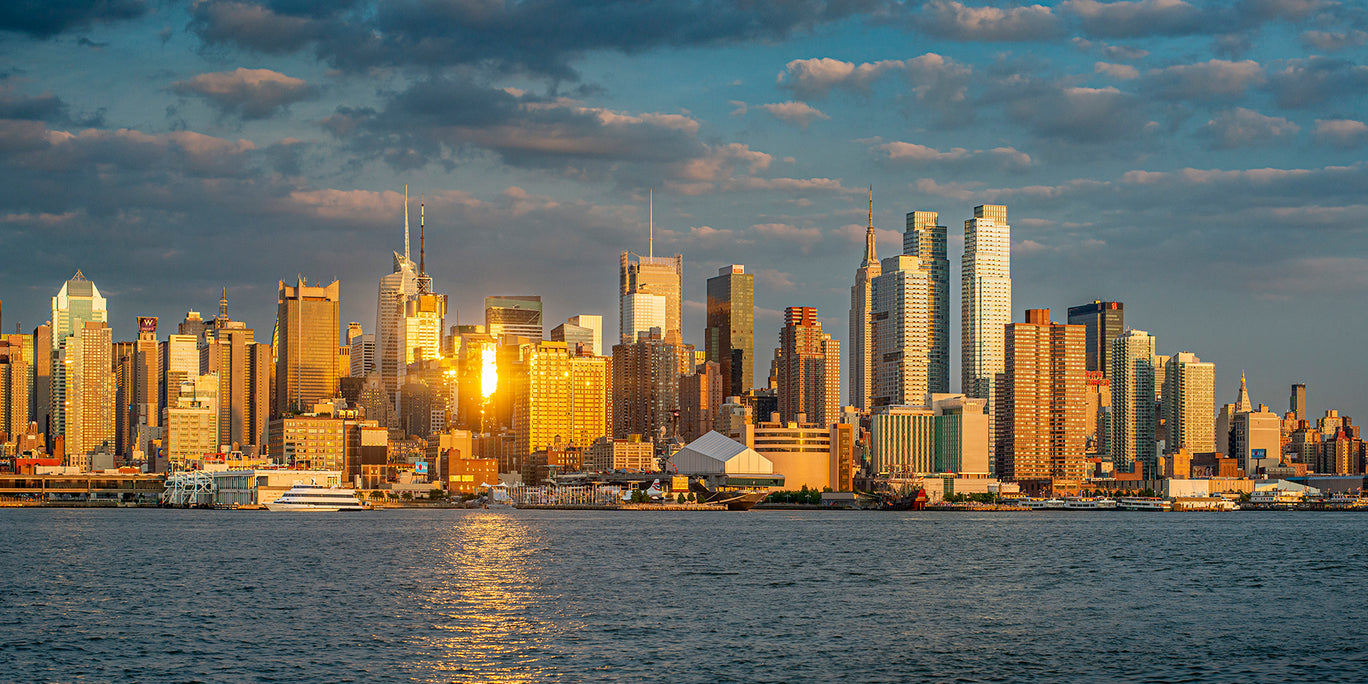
<point>579,339</point>
<point>541,396</point>
<point>902,319</point>
<point>862,341</point>
<point>77,303</point>
<point>729,338</point>
<point>642,313</point>
<point>193,325</point>
<point>1297,401</point>
<point>517,315</point>
<point>809,369</point>
<point>650,274</point>
<point>242,367</point>
<point>192,428</point>
<point>1189,404</point>
<point>593,322</point>
<point>1041,420</point>
<point>591,399</point>
<point>1104,321</point>
<point>927,241</point>
<point>394,290</point>
<point>305,345</point>
<point>15,375</point>
<point>140,371</point>
<point>700,401</point>
<point>1132,383</point>
<point>43,350</point>
<point>986,302</point>
<point>180,361</point>
<point>87,415</point>
<point>423,313</point>
<point>362,357</point>
<point>646,385</point>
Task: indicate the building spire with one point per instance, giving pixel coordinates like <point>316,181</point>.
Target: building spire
<point>650,244</point>
<point>424,282</point>
<point>871,252</point>
<point>406,241</point>
<point>1242,403</point>
<point>223,305</point>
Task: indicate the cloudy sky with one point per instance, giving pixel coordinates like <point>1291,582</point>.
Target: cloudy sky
<point>1202,163</point>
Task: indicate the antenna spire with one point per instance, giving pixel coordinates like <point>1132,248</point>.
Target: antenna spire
<point>422,240</point>
<point>871,206</point>
<point>650,198</point>
<point>406,241</point>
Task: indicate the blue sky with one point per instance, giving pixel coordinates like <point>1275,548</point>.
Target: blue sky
<point>1202,163</point>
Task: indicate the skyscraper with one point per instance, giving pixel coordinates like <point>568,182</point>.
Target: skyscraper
<point>307,320</point>
<point>663,276</point>
<point>518,315</point>
<point>242,368</point>
<point>1297,401</point>
<point>1189,404</point>
<point>424,312</point>
<point>1132,385</point>
<point>582,330</point>
<point>1042,432</point>
<point>809,369</point>
<point>862,319</point>
<point>15,371</point>
<point>730,336</point>
<point>1104,321</point>
<point>77,303</point>
<point>902,319</point>
<point>646,376</point>
<point>926,241</point>
<point>986,304</point>
<point>591,399</point>
<point>641,313</point>
<point>395,290</point>
<point>86,416</point>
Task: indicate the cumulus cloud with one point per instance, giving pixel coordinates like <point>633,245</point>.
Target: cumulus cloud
<point>1341,132</point>
<point>798,113</point>
<point>1216,79</point>
<point>915,154</point>
<point>814,79</point>
<point>1123,53</point>
<point>1301,83</point>
<point>1240,127</point>
<point>247,93</point>
<point>1124,72</point>
<point>1126,19</point>
<point>1331,41</point>
<point>956,21</point>
<point>1074,114</point>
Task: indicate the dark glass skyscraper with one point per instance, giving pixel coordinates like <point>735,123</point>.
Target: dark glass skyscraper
<point>730,336</point>
<point>1104,322</point>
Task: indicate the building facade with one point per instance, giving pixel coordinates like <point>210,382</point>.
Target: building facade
<point>808,364</point>
<point>1041,415</point>
<point>515,315</point>
<point>862,343</point>
<point>307,324</point>
<point>1132,411</point>
<point>985,301</point>
<point>902,320</point>
<point>729,338</point>
<point>1189,404</point>
<point>926,240</point>
<point>1103,322</point>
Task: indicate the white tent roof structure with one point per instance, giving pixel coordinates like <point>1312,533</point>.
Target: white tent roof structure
<point>715,453</point>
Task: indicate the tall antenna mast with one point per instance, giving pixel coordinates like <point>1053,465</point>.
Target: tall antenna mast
<point>424,282</point>
<point>650,251</point>
<point>871,206</point>
<point>406,230</point>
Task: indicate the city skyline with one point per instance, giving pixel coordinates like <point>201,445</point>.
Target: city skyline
<point>1210,184</point>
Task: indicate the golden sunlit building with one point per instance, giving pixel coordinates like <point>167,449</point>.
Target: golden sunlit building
<point>591,400</point>
<point>1041,421</point>
<point>307,319</point>
<point>540,389</point>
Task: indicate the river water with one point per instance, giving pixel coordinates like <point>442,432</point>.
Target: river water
<point>763,596</point>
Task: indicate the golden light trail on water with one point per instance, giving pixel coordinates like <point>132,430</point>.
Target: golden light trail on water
<point>489,373</point>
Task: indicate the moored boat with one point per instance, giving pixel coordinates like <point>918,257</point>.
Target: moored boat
<point>312,497</point>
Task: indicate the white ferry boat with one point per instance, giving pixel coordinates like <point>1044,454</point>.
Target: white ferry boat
<point>1145,503</point>
<point>1042,504</point>
<point>312,497</point>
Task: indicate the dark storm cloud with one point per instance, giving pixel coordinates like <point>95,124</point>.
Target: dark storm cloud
<point>436,120</point>
<point>540,36</point>
<point>46,18</point>
<point>247,93</point>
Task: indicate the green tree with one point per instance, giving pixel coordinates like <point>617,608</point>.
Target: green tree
<point>437,494</point>
<point>408,496</point>
<point>692,498</point>
<point>680,499</point>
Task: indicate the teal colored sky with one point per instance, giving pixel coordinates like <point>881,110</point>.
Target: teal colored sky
<point>1202,163</point>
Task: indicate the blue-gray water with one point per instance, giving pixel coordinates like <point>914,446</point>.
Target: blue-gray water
<point>437,596</point>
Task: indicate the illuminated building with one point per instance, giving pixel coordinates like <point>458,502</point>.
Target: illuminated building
<point>1132,380</point>
<point>309,442</point>
<point>306,345</point>
<point>927,241</point>
<point>539,384</point>
<point>808,362</point>
<point>901,332</point>
<point>15,371</point>
<point>1103,322</point>
<point>515,315</point>
<point>642,313</point>
<point>585,330</point>
<point>1041,419</point>
<point>192,424</point>
<point>607,454</point>
<point>862,341</point>
<point>729,338</point>
<point>985,301</point>
<point>700,400</point>
<point>395,288</point>
<point>591,400</point>
<point>662,276</point>
<point>1189,403</point>
<point>646,385</point>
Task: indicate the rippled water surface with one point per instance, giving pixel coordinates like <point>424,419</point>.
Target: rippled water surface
<point>763,596</point>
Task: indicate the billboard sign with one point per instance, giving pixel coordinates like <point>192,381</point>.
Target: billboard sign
<point>147,324</point>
